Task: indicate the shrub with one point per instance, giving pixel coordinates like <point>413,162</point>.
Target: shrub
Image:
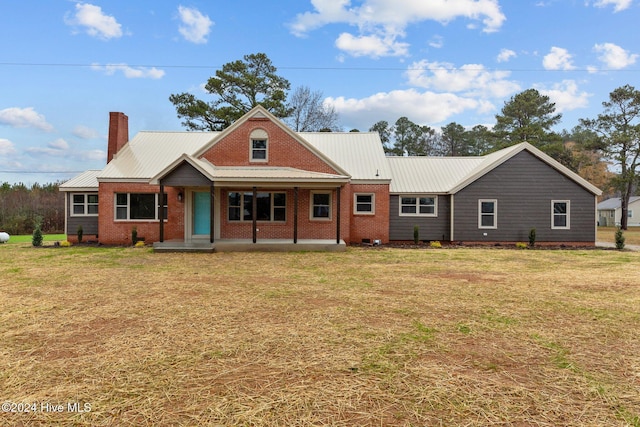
<point>435,244</point>
<point>619,237</point>
<point>65,243</point>
<point>36,238</point>
<point>139,244</point>
<point>532,237</point>
<point>134,235</point>
<point>416,234</point>
<point>80,231</point>
<point>521,245</point>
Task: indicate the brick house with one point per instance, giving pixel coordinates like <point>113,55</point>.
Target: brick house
<point>260,185</point>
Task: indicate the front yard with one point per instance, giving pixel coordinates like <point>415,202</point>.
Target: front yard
<point>377,336</point>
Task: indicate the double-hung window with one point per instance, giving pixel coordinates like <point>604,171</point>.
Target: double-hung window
<point>418,205</point>
<point>560,211</point>
<point>84,205</point>
<point>258,146</point>
<point>321,205</point>
<point>269,206</point>
<point>139,206</point>
<point>364,204</point>
<point>487,213</point>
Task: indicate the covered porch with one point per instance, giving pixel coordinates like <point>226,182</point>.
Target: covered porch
<point>251,209</point>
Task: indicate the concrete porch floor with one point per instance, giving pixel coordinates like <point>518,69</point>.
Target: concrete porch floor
<point>242,245</point>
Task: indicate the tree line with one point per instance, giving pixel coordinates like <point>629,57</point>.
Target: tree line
<point>22,208</point>
<point>610,140</point>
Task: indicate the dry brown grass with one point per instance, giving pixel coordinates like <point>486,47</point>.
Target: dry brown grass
<point>631,235</point>
<point>366,337</point>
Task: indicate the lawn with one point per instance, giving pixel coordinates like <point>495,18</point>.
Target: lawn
<point>372,336</point>
<point>631,235</point>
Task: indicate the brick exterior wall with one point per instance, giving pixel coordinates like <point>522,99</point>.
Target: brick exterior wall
<point>283,150</point>
<point>112,232</point>
<point>234,150</point>
<point>365,226</point>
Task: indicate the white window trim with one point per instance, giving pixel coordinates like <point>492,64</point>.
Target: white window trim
<point>373,204</point>
<point>128,219</point>
<point>259,135</point>
<point>495,213</point>
<point>311,210</point>
<point>85,204</point>
<point>568,226</point>
<point>417,197</point>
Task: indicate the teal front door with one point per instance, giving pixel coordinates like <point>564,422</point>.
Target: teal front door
<point>201,213</point>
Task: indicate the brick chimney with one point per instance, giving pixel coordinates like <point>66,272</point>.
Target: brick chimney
<point>118,133</point>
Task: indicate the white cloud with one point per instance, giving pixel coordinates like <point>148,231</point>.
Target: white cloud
<point>195,26</point>
<point>566,96</point>
<point>59,144</point>
<point>614,57</point>
<point>424,107</point>
<point>505,55</point>
<point>436,42</point>
<point>6,147</point>
<point>85,132</point>
<point>24,118</point>
<point>130,72</point>
<point>372,46</point>
<point>558,59</point>
<point>92,155</point>
<point>387,20</point>
<point>619,5</point>
<point>96,23</point>
<point>470,79</point>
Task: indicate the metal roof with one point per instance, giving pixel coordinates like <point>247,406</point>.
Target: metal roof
<point>86,181</point>
<point>150,152</point>
<point>359,153</point>
<point>429,174</point>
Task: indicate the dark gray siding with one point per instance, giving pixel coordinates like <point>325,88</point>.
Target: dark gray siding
<point>185,175</point>
<point>431,228</point>
<point>89,223</point>
<point>524,187</point>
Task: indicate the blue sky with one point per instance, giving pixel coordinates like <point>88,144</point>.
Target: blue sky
<point>64,64</point>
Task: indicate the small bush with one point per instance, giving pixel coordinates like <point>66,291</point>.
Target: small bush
<point>134,235</point>
<point>435,244</point>
<point>80,232</point>
<point>532,237</point>
<point>139,244</point>
<point>36,238</point>
<point>619,237</point>
<point>521,245</point>
<point>65,244</point>
<point>416,234</point>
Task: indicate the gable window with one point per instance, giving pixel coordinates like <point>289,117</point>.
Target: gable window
<point>487,213</point>
<point>269,206</point>
<point>139,206</point>
<point>560,214</point>
<point>321,205</point>
<point>84,205</point>
<point>364,204</point>
<point>419,205</point>
<point>259,145</point>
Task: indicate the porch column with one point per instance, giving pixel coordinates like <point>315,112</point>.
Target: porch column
<point>338,215</point>
<point>295,215</point>
<point>161,209</point>
<point>254,214</point>
<point>212,214</point>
